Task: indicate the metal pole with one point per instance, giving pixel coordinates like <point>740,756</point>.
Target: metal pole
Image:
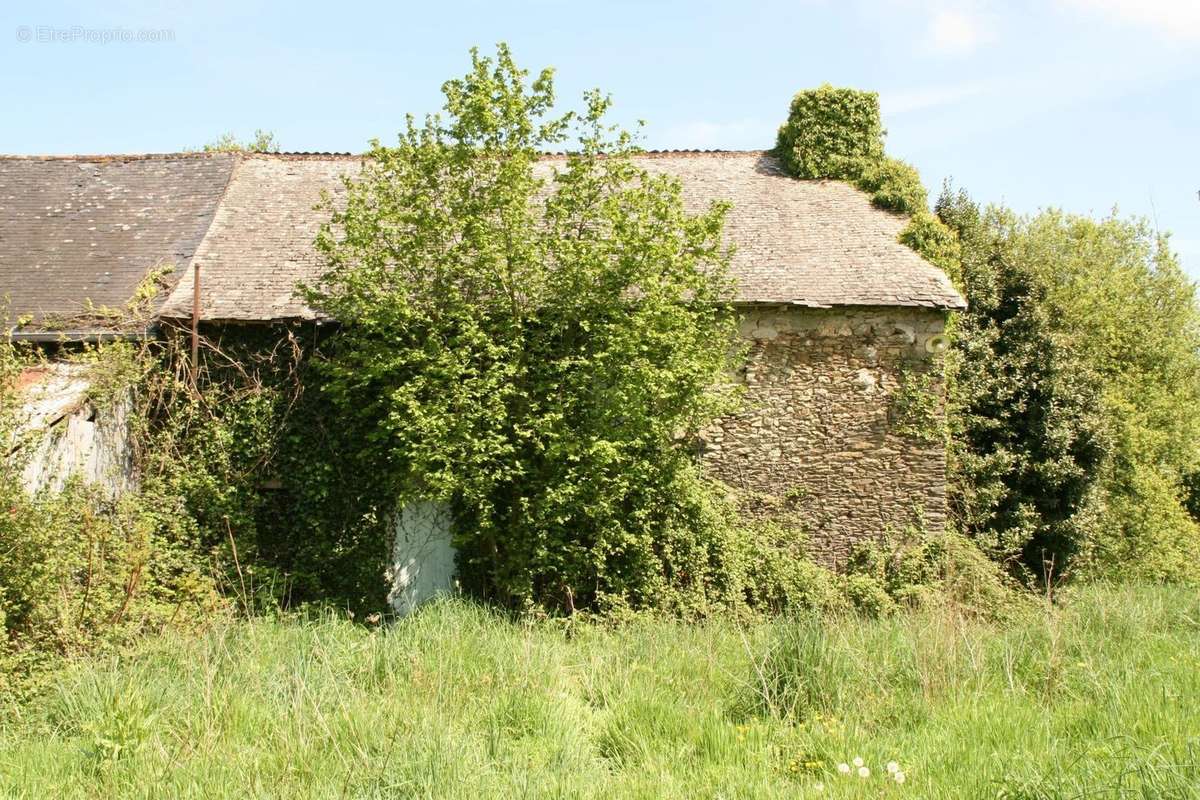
<point>195,321</point>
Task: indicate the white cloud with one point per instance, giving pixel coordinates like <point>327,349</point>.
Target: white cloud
<point>904,101</point>
<point>1172,19</point>
<point>956,32</point>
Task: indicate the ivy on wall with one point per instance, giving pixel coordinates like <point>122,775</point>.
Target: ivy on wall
<point>915,407</point>
<point>831,133</point>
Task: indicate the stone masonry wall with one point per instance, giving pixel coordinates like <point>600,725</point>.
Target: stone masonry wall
<point>820,423</point>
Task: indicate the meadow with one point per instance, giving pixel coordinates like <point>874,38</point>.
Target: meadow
<point>1097,696</point>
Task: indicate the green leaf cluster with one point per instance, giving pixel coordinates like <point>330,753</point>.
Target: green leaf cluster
<point>81,569</point>
<point>535,342</point>
<point>831,133</point>
<point>1076,400</point>
<point>1072,384</point>
<point>263,142</point>
<point>836,133</point>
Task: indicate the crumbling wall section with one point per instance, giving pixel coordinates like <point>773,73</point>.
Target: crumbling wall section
<point>822,430</point>
<point>64,433</point>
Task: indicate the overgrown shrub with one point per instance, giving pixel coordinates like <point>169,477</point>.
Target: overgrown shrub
<point>1116,290</point>
<point>894,186</point>
<point>1028,439</point>
<point>937,243</point>
<point>775,572</point>
<point>1073,381</point>
<point>535,347</point>
<point>831,133</point>
<point>898,570</point>
<point>1075,394</point>
<point>914,568</point>
<point>781,581</point>
<point>81,570</point>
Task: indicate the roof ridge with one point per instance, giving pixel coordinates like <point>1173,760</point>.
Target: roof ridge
<point>814,242</point>
<point>329,154</point>
<point>712,153</point>
<point>108,157</point>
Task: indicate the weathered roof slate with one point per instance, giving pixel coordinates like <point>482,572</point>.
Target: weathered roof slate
<point>813,243</point>
<point>83,230</point>
<point>76,228</point>
<point>261,242</point>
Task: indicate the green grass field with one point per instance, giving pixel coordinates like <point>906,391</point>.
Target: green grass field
<point>1098,699</point>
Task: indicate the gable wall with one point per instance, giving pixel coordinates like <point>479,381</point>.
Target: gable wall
<point>819,424</point>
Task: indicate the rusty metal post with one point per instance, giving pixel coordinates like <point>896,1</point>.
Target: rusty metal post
<point>195,321</point>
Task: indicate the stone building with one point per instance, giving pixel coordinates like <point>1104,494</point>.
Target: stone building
<point>839,315</point>
<point>821,427</point>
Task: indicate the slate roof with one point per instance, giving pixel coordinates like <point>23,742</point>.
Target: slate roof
<point>261,242</point>
<point>811,243</point>
<point>83,230</point>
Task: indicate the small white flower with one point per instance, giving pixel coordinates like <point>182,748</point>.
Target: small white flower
<point>893,767</point>
<point>844,768</point>
<point>863,772</point>
<point>898,776</point>
<point>818,787</point>
<point>858,762</point>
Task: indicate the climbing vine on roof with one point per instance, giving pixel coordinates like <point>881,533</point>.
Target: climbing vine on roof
<point>836,133</point>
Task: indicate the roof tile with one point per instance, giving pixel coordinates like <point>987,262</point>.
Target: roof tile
<point>810,243</point>
<point>85,228</point>
<point>82,229</point>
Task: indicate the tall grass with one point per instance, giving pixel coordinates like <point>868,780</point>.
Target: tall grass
<point>1099,698</point>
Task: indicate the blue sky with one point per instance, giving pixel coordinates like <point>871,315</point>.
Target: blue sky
<point>1082,104</point>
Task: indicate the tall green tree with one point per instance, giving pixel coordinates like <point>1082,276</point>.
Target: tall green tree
<point>534,341</point>
<point>1074,402</point>
<point>1116,289</point>
<point>1027,434</point>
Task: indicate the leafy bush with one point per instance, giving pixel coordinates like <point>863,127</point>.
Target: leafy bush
<point>79,569</point>
<point>80,572</point>
<point>867,595</point>
<point>831,133</point>
<point>1027,437</point>
<point>263,142</point>
<point>914,569</point>
<point>894,186</point>
<point>535,347</point>
<point>1077,392</point>
<point>1074,380</point>
<point>1118,292</point>
<point>937,244</point>
<point>777,575</point>
<point>898,570</point>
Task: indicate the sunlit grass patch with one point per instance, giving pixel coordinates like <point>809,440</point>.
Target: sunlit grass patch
<point>1094,699</point>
